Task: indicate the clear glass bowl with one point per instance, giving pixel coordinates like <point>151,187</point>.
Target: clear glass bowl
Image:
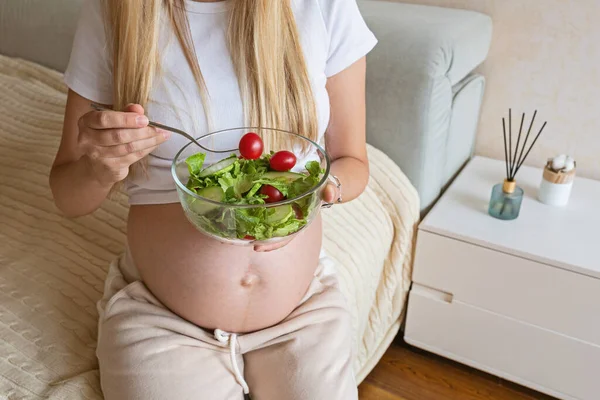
<point>228,222</point>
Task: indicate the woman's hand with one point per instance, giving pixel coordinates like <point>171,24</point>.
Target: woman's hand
<point>112,141</point>
<point>95,152</point>
<point>264,248</point>
<point>329,193</point>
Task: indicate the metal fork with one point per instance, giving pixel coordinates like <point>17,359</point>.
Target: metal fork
<point>186,135</point>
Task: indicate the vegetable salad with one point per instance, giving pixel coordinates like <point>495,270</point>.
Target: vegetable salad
<point>252,179</point>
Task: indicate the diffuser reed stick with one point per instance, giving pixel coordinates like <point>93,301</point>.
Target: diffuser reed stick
<point>518,141</point>
<point>528,151</point>
<point>514,157</point>
<point>527,136</point>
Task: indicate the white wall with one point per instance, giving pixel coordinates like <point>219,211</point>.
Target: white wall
<point>545,54</point>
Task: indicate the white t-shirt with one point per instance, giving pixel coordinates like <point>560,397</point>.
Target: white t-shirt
<point>333,36</point>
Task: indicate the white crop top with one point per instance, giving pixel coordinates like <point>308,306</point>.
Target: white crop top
<point>333,36</point>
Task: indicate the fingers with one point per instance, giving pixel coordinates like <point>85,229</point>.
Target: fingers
<point>113,141</point>
<point>116,137</point>
<point>267,248</point>
<point>112,170</point>
<point>134,108</point>
<point>328,193</point>
<point>131,158</point>
<point>113,119</point>
<point>128,147</point>
<point>264,248</point>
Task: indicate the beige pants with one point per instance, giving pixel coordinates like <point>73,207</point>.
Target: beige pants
<point>148,352</point>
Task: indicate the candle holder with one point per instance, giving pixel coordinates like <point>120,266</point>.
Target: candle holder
<point>557,181</point>
<point>506,198</point>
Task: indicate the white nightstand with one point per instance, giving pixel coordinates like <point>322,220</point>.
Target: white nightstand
<point>519,299</point>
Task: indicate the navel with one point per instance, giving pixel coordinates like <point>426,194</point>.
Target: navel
<point>250,279</point>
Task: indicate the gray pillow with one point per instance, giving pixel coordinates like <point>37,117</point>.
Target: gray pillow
<point>39,30</point>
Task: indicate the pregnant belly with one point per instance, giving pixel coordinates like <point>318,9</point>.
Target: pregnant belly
<point>216,285</point>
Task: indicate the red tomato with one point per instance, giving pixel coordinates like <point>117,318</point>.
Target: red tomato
<point>283,161</point>
<point>251,146</point>
<point>273,195</point>
<point>248,237</point>
<point>297,211</point>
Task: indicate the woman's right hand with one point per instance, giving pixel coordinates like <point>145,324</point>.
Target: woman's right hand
<point>112,141</point>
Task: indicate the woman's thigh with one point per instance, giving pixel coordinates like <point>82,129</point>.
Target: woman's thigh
<point>147,352</point>
<point>312,358</point>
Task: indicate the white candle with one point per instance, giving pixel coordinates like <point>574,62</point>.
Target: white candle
<point>557,181</point>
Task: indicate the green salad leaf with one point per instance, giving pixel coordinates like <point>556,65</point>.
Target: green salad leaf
<point>303,185</point>
<point>236,186</point>
<point>278,184</point>
<point>314,169</point>
<point>195,163</point>
<point>255,167</point>
<point>289,227</point>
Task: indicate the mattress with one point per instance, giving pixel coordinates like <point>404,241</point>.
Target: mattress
<point>52,268</point>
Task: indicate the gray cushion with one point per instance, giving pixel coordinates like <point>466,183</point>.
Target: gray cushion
<point>423,55</point>
<point>432,41</point>
<point>39,30</point>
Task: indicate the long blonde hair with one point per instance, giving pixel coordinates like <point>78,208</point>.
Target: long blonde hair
<point>265,49</point>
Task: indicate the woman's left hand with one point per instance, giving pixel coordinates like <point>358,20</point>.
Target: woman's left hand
<point>328,195</point>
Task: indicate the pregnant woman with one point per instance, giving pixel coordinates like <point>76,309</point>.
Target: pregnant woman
<point>184,316</point>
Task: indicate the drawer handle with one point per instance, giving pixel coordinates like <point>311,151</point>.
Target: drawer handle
<point>432,293</point>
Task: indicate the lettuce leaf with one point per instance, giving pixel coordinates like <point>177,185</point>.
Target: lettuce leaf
<point>255,167</point>
<point>278,184</point>
<point>314,168</point>
<point>195,163</point>
<point>195,184</point>
<point>291,226</point>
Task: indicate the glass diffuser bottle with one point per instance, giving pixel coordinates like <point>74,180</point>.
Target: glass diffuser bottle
<point>506,199</point>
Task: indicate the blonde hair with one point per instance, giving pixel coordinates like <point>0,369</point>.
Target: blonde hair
<point>265,49</point>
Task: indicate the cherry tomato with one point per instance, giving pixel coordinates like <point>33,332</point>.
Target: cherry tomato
<point>251,146</point>
<point>273,195</point>
<point>248,237</point>
<point>283,161</point>
<point>297,211</point>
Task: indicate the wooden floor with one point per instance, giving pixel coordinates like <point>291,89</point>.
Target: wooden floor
<point>406,373</point>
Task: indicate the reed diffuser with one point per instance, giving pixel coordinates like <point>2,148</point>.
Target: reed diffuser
<point>507,197</point>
